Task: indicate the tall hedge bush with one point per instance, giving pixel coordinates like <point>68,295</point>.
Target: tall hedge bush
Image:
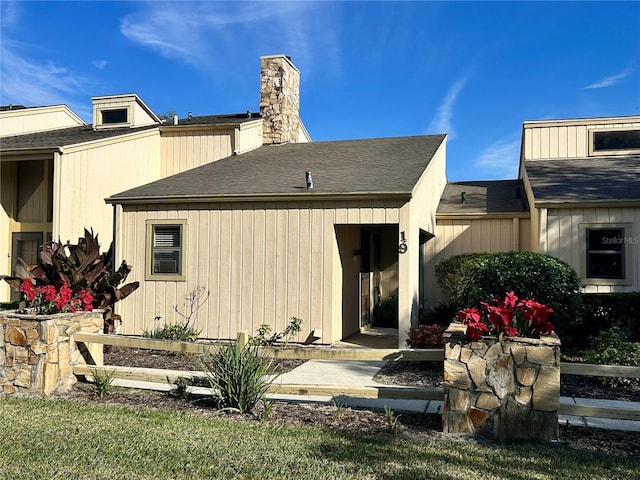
<point>602,311</point>
<point>475,278</point>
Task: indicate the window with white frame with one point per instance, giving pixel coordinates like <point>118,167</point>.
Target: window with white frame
<point>166,242</point>
<point>620,141</point>
<point>607,256</point>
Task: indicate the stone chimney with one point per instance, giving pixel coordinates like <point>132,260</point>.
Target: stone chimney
<point>279,99</point>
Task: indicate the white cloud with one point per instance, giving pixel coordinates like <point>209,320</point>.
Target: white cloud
<point>500,159</point>
<point>201,33</point>
<point>9,13</point>
<point>27,82</point>
<point>611,79</point>
<point>99,64</point>
<point>441,123</point>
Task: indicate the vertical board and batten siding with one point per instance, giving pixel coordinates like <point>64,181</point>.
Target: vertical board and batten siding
<point>184,150</point>
<point>84,178</point>
<point>546,142</point>
<point>261,263</point>
<point>562,239</point>
<point>20,122</point>
<point>248,137</point>
<point>454,237</point>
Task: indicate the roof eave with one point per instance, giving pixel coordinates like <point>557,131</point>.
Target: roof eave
<point>30,151</point>
<point>586,203</point>
<point>481,215</point>
<point>266,197</point>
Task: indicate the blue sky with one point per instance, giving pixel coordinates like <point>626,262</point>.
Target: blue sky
<point>369,69</point>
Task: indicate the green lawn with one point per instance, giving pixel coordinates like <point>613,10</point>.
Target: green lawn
<point>46,439</point>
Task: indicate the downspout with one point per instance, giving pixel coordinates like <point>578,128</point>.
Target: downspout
<point>113,241</point>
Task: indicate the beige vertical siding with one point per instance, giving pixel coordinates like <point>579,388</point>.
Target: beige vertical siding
<point>562,239</point>
<point>261,262</point>
<point>185,149</point>
<point>569,140</point>
<point>89,174</point>
<point>454,237</point>
<point>248,137</point>
<point>18,122</point>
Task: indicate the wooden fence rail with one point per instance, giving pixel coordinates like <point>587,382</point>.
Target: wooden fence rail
<point>328,353</point>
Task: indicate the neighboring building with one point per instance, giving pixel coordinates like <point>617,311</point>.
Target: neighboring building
<point>55,175</point>
<point>582,178</point>
<point>276,227</point>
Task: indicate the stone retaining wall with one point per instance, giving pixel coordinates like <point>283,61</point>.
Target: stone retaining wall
<point>37,352</point>
<point>506,390</point>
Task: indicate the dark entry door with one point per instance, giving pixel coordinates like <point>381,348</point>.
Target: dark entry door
<point>24,245</point>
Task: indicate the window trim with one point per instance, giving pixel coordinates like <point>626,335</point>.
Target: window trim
<point>149,275</point>
<point>113,125</point>
<point>595,153</point>
<point>627,232</point>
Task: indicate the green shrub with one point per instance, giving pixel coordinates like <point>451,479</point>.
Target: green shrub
<point>385,315</point>
<point>447,270</point>
<point>103,382</point>
<point>442,314</point>
<point>611,347</point>
<point>179,332</point>
<point>602,311</point>
<point>484,277</point>
<point>263,336</point>
<point>239,377</point>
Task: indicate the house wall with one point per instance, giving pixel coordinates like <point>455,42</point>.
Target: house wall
<point>565,139</point>
<point>84,176</point>
<point>25,205</point>
<point>183,149</point>
<point>262,263</point>
<point>28,120</point>
<point>470,235</point>
<point>561,238</point>
<point>415,216</point>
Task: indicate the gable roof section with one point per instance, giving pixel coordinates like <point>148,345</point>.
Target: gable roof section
<point>483,197</point>
<point>390,166</point>
<point>585,180</point>
<point>62,137</point>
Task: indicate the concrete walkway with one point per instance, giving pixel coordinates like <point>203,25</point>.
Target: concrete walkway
<point>361,373</point>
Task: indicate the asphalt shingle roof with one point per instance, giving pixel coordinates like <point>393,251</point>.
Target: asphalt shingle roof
<point>385,165</point>
<point>591,179</point>
<point>491,196</point>
<point>75,135</point>
<point>64,136</point>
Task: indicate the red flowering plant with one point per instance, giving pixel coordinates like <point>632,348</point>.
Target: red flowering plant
<point>426,336</point>
<point>510,317</point>
<point>47,299</point>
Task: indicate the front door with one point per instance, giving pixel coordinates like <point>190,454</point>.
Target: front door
<point>24,245</point>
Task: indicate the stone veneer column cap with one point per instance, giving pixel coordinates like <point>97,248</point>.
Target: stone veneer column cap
<point>283,56</point>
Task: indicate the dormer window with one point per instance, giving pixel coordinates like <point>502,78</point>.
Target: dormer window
<point>119,115</point>
<point>614,141</point>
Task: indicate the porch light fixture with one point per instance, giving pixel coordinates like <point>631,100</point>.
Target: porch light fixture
<point>402,248</point>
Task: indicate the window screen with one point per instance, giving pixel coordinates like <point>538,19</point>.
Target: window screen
<point>167,250</point>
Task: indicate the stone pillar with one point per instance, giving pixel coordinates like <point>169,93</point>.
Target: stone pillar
<point>37,352</point>
<point>279,99</point>
<point>502,389</point>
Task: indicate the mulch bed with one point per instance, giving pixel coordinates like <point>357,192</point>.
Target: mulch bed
<point>350,420</point>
